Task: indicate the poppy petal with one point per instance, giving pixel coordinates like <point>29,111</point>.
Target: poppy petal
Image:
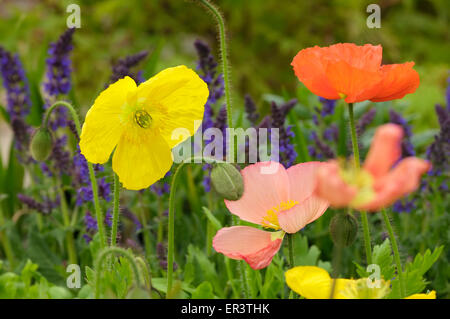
<point>257,247</point>
<point>400,181</point>
<point>141,158</point>
<point>104,124</point>
<point>266,185</point>
<point>385,149</point>
<point>307,211</point>
<point>314,282</point>
<point>175,97</point>
<point>398,80</point>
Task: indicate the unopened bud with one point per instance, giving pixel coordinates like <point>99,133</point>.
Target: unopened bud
<point>343,229</point>
<point>41,144</point>
<point>227,181</point>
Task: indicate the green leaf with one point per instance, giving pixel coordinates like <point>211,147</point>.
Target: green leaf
<point>214,221</point>
<point>203,291</point>
<point>424,262</point>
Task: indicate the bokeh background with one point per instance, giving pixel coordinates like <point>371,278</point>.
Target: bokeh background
<point>263,38</point>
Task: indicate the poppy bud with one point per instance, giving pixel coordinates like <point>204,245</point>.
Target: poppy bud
<point>227,181</point>
<point>343,229</point>
<point>41,144</point>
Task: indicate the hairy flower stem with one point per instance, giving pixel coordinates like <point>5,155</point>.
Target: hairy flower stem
<point>364,220</point>
<point>98,212</point>
<point>100,261</point>
<point>5,242</point>
<point>115,217</point>
<point>396,253</point>
<point>224,56</point>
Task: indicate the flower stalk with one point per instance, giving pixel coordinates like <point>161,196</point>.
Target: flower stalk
<point>364,219</point>
<point>395,250</point>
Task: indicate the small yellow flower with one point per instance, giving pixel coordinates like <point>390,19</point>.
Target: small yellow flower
<point>315,283</point>
<point>138,121</point>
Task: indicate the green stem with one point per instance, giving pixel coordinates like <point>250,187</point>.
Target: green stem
<point>98,212</point>
<point>224,55</point>
<point>291,258</point>
<point>6,243</point>
<point>396,253</point>
<point>66,219</point>
<point>115,220</point>
<point>364,219</point>
<point>291,249</point>
<point>100,260</point>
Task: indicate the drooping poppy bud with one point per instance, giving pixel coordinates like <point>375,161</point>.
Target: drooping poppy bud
<point>343,229</point>
<point>227,181</point>
<point>41,144</point>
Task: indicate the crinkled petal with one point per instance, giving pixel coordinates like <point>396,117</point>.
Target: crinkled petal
<point>266,185</point>
<point>104,123</point>
<point>402,180</point>
<point>141,158</point>
<point>175,97</point>
<point>314,283</point>
<point>307,211</point>
<point>332,188</point>
<point>385,149</point>
<point>310,68</point>
<point>257,247</point>
<point>398,80</point>
<point>354,83</point>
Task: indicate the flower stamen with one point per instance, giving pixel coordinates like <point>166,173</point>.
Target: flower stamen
<point>271,218</point>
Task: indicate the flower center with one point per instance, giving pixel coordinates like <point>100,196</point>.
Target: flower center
<point>142,118</point>
<point>271,218</point>
<point>360,179</point>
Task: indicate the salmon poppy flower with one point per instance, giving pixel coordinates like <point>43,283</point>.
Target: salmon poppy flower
<point>138,121</point>
<point>314,282</point>
<point>281,200</point>
<point>355,73</point>
<point>375,185</point>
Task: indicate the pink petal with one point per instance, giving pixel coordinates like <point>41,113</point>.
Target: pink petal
<point>385,149</point>
<point>253,245</point>
<point>331,187</point>
<point>291,221</point>
<point>403,179</point>
<point>266,185</point>
<point>302,180</point>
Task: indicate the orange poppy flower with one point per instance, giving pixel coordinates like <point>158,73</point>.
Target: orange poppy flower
<point>346,70</point>
<point>382,179</point>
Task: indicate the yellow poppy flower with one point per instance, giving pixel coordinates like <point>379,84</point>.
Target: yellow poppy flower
<point>138,121</point>
<point>315,283</point>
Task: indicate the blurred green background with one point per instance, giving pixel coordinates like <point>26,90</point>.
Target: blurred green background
<point>264,37</point>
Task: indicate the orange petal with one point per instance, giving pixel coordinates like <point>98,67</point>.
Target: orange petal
<point>356,84</point>
<point>385,149</point>
<point>402,180</point>
<point>309,67</point>
<point>398,80</point>
<point>257,247</point>
<point>331,187</point>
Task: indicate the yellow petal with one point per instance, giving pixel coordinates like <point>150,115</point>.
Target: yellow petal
<point>430,295</point>
<point>175,98</point>
<point>314,282</point>
<point>141,158</point>
<point>104,125</point>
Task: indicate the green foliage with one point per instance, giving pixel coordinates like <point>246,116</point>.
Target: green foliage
<point>30,284</point>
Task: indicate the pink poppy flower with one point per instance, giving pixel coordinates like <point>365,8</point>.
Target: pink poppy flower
<point>274,198</point>
<point>382,180</point>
